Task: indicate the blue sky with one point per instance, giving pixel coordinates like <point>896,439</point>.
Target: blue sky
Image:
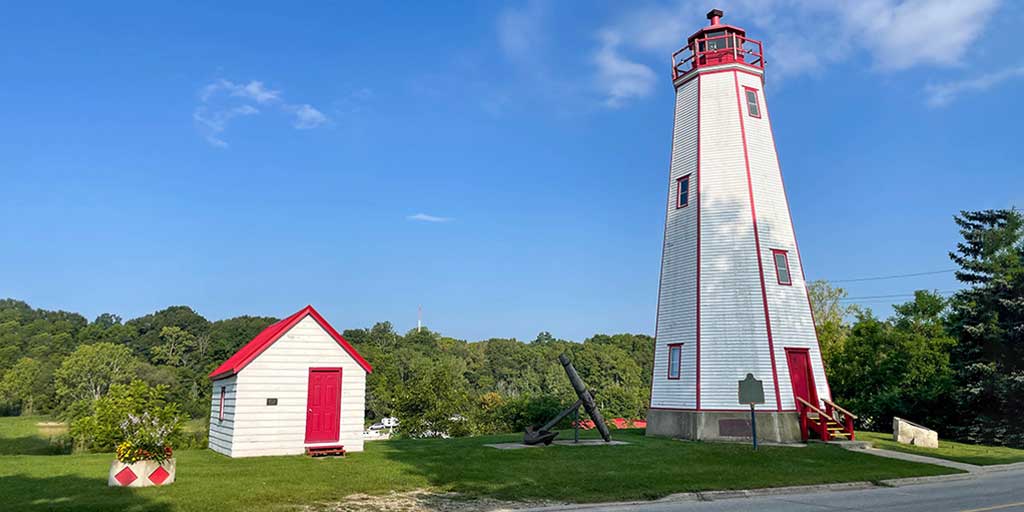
<point>504,165</point>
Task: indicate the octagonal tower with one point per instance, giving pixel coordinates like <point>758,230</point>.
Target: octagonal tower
<point>732,297</point>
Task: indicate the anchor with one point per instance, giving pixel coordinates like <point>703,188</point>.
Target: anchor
<point>536,435</point>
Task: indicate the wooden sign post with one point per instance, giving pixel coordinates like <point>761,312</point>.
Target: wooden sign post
<point>751,392</point>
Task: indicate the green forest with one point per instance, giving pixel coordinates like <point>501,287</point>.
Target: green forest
<point>954,363</point>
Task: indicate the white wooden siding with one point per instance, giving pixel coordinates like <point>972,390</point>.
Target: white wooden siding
<point>282,372</point>
<point>734,338</point>
<point>221,431</point>
<point>733,331</point>
<point>792,324</point>
<point>677,304</point>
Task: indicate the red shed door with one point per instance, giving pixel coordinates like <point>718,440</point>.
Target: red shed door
<point>323,405</point>
<point>801,376</point>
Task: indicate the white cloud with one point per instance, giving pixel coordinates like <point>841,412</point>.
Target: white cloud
<point>939,95</point>
<point>212,124</point>
<point>621,79</point>
<point>806,36</point>
<point>307,117</point>
<point>219,105</point>
<point>423,217</point>
<point>254,90</point>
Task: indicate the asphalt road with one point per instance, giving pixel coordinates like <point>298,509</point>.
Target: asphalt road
<point>983,492</point>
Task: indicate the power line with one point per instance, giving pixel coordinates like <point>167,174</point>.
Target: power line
<point>893,296</point>
<point>894,276</point>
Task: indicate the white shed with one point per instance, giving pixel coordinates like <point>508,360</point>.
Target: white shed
<point>298,385</point>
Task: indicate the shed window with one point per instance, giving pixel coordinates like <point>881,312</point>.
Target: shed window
<point>220,411</point>
<point>753,107</point>
<point>782,267</point>
<point>675,360</point>
<point>683,191</point>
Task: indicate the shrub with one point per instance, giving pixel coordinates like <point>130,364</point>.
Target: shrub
<point>144,437</point>
<point>137,413</point>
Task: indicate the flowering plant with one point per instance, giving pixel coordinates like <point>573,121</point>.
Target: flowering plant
<point>144,437</point>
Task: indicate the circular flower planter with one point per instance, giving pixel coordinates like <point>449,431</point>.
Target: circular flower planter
<point>143,473</point>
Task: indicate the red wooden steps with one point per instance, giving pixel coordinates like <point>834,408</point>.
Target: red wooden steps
<point>322,451</point>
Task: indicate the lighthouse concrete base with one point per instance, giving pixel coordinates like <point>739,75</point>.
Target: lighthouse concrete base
<point>773,427</point>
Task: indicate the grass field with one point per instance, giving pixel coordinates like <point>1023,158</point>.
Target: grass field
<point>960,452</point>
<point>645,469</point>
<point>25,436</point>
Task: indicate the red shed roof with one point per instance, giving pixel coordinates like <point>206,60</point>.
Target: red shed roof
<point>268,336</point>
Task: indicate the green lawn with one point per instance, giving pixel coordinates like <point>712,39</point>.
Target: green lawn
<point>960,452</point>
<point>24,435</point>
<point>647,468</point>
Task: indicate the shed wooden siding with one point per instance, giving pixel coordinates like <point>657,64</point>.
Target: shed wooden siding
<point>677,305</point>
<point>734,339</point>
<point>792,323</point>
<point>282,372</point>
<point>221,431</point>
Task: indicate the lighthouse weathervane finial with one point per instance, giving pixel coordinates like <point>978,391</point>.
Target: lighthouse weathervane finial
<point>732,299</point>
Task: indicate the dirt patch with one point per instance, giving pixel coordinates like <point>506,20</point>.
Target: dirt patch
<point>51,428</point>
<point>422,501</point>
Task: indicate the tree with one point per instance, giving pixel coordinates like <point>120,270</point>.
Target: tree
<point>89,371</point>
<point>988,322</point>
<point>150,326</point>
<point>227,336</point>
<point>435,400</point>
<point>830,314</point>
<point>175,346</point>
<point>25,385</point>
<point>101,430</point>
<point>898,367</point>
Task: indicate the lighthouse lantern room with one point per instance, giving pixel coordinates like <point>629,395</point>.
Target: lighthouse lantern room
<point>732,297</point>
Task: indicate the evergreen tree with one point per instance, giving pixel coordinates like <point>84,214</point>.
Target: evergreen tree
<point>988,321</point>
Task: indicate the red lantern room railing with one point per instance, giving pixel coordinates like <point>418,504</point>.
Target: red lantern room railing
<point>717,44</point>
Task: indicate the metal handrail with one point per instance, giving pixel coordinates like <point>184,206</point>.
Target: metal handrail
<point>738,48</point>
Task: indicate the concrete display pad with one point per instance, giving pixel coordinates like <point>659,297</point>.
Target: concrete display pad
<point>561,442</point>
<point>772,426</point>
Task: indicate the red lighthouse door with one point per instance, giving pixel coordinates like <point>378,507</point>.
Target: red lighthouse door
<point>323,405</point>
<point>801,376</point>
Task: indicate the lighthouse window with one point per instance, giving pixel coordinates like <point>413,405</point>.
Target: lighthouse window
<point>717,40</point>
<point>753,108</point>
<point>220,407</point>
<point>683,191</point>
<point>782,267</point>
<point>675,360</point>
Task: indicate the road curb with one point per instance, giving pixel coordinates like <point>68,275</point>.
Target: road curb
<point>918,480</point>
<point>738,494</point>
<point>790,490</point>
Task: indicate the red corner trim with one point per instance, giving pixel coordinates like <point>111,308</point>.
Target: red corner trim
<point>700,181</point>
<point>271,334</point>
<point>757,245</point>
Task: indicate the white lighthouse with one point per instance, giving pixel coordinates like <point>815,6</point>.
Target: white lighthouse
<point>732,298</point>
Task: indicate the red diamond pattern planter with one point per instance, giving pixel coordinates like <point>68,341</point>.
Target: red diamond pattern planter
<point>158,476</point>
<point>128,475</point>
<point>125,477</point>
